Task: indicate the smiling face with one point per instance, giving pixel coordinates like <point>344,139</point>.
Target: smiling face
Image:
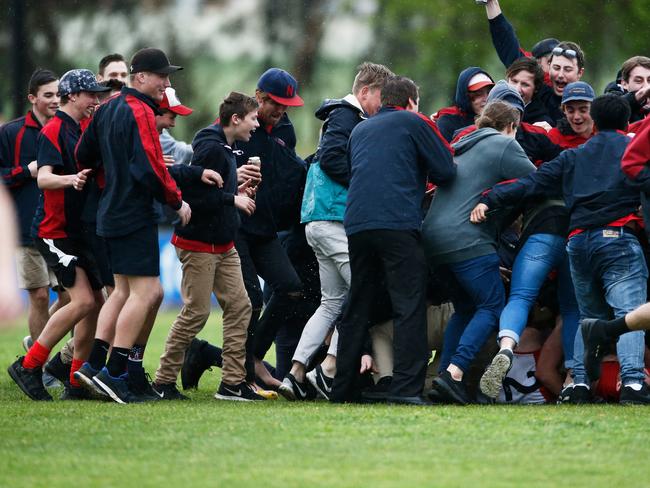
<point>165,121</point>
<point>639,79</point>
<point>524,83</point>
<point>564,71</point>
<point>578,116</point>
<point>46,101</point>
<point>269,112</point>
<point>245,126</point>
<point>151,84</point>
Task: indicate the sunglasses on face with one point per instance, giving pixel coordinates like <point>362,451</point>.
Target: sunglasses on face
<point>567,53</point>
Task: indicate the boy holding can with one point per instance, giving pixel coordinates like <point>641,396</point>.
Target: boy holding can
<point>208,257</point>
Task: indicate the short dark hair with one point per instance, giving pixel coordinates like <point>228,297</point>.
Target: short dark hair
<point>39,78</point>
<point>610,112</point>
<point>371,75</point>
<point>527,64</point>
<point>108,59</point>
<point>632,63</point>
<point>236,104</point>
<point>398,90</point>
<point>580,55</point>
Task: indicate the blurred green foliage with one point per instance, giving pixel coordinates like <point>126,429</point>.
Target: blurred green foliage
<point>430,41</point>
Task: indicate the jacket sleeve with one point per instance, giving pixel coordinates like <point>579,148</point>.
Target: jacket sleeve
<point>13,175</point>
<point>87,153</point>
<point>180,151</point>
<point>543,182</point>
<point>637,157</point>
<point>505,40</point>
<point>184,174</point>
<point>333,145</point>
<point>446,127</point>
<point>147,166</point>
<point>200,196</point>
<point>436,153</point>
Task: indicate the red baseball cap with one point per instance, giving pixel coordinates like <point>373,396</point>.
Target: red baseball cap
<point>478,81</point>
<point>281,87</point>
<point>171,102</point>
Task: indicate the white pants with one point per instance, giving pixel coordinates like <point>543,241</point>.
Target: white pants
<point>330,245</point>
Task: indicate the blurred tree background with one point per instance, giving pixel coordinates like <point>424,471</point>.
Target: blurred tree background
<point>226,44</point>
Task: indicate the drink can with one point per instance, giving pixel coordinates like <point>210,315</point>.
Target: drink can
<point>255,160</point>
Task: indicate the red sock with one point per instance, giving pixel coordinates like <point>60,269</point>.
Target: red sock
<point>76,364</point>
<point>36,356</point>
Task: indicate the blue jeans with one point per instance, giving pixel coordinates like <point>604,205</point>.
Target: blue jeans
<point>610,278</point>
<point>478,296</point>
<point>537,258</point>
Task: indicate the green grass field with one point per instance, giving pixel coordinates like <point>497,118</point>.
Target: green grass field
<point>277,444</point>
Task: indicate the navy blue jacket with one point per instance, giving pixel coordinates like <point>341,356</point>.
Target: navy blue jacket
<point>215,219</point>
<point>589,178</point>
<point>122,136</point>
<point>339,117</point>
<point>18,148</point>
<point>278,199</point>
<point>460,115</point>
<point>390,156</point>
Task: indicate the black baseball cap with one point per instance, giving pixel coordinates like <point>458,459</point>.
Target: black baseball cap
<point>152,60</point>
<point>544,47</point>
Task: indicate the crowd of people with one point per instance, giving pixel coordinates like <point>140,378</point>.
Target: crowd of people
<point>492,252</point>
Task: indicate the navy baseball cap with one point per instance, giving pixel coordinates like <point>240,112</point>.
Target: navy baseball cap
<point>281,87</point>
<point>152,60</point>
<point>544,47</point>
<point>578,90</point>
<point>78,80</point>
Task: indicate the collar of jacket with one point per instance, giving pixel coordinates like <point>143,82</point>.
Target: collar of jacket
<point>32,121</point>
<point>354,101</point>
<point>141,96</point>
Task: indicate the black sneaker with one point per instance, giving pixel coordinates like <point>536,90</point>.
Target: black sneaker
<point>168,391</point>
<point>492,379</point>
<point>411,400</point>
<point>294,390</point>
<point>450,390</point>
<point>596,341</point>
<point>565,394</point>
<point>84,376</point>
<point>76,393</point>
<point>140,386</point>
<point>379,392</point>
<point>320,381</point>
<point>58,369</point>
<point>629,396</point>
<point>30,381</point>
<point>194,364</point>
<point>116,388</point>
<point>580,394</point>
<point>238,393</point>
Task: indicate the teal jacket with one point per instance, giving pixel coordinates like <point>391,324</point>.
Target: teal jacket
<point>328,176</point>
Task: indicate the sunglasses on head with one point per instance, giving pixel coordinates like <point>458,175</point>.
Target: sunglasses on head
<point>567,53</point>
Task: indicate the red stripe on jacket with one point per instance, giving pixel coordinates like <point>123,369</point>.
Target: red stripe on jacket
<point>54,222</point>
<point>146,123</point>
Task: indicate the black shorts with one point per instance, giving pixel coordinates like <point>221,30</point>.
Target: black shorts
<point>64,255</point>
<point>97,245</point>
<point>135,254</point>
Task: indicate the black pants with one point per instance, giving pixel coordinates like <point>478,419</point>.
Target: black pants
<point>267,258</point>
<point>397,258</point>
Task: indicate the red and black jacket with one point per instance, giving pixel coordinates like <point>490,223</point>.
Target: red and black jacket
<point>58,214</point>
<point>122,137</point>
<point>17,150</point>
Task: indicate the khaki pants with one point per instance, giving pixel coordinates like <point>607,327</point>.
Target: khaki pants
<point>204,274</point>
<point>382,341</point>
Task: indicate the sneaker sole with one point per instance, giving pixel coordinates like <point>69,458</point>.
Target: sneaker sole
<point>592,368</point>
<point>27,342</point>
<point>89,385</point>
<point>217,396</point>
<point>312,378</point>
<point>18,381</point>
<point>108,391</point>
<point>287,392</point>
<point>492,379</point>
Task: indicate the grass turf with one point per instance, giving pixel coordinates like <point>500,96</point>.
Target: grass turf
<point>209,443</point>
